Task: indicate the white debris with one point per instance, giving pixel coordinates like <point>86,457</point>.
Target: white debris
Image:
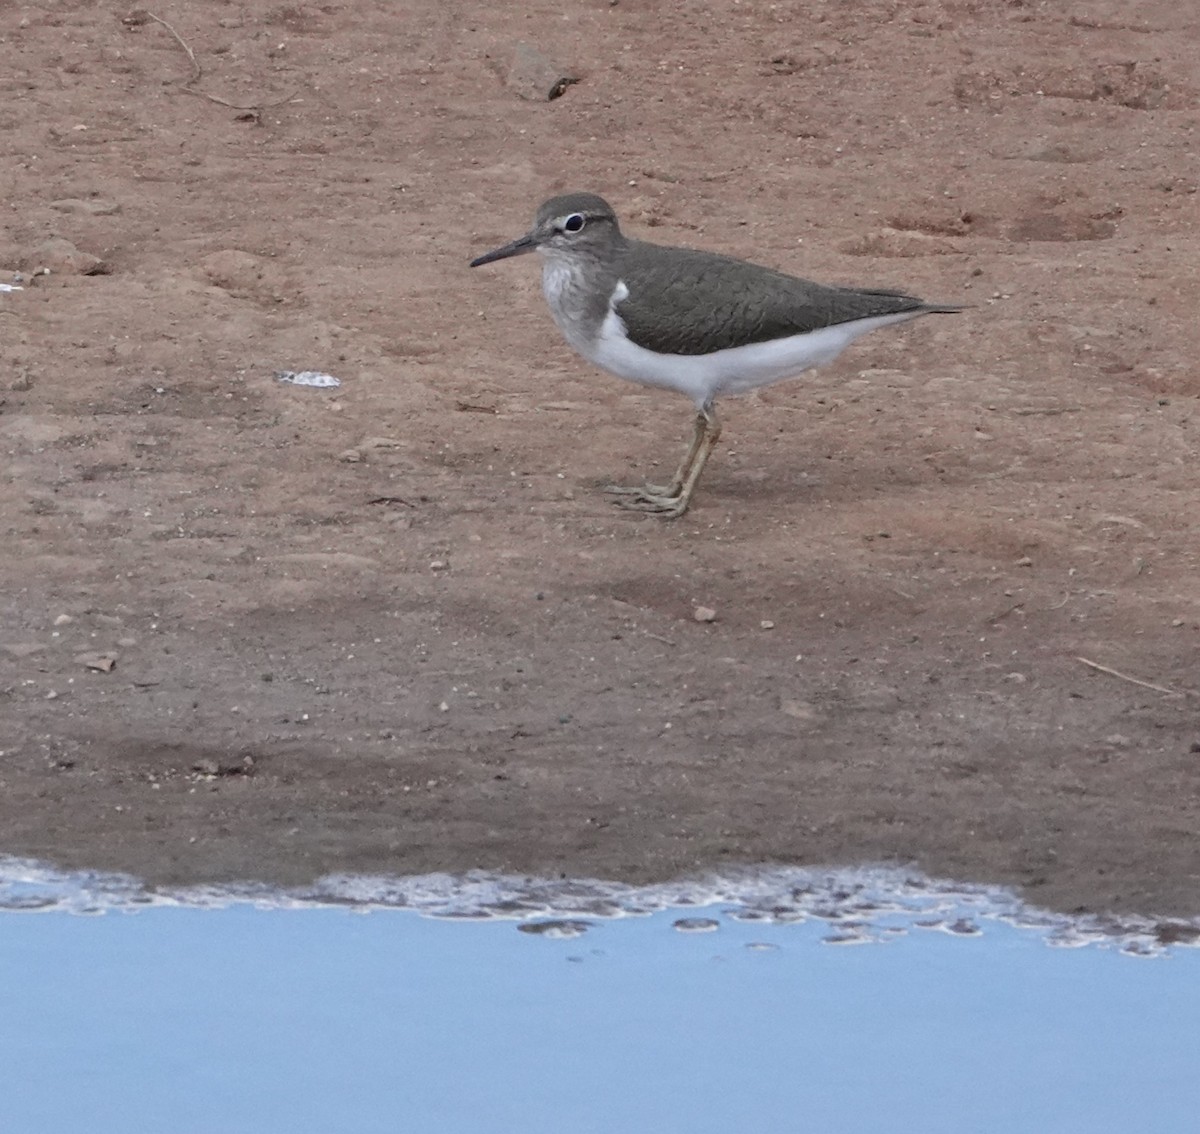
<point>308,378</point>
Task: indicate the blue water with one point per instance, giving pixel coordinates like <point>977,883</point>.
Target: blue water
<point>222,1021</point>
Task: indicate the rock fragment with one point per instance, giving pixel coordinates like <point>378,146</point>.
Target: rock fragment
<point>60,256</point>
<point>536,77</point>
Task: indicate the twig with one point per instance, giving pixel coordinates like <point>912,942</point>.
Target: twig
<point>392,500</point>
<point>198,72</point>
<point>1005,613</point>
<point>1137,681</point>
<point>658,638</point>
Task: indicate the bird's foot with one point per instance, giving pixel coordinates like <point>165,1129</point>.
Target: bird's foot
<point>663,503</point>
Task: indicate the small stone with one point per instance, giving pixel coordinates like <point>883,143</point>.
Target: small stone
<point>63,619</point>
<point>696,925</point>
<point>767,624</point>
<point>438,565</point>
<point>101,663</point>
<point>556,929</point>
<point>236,765</point>
<point>444,707</point>
<point>704,614</point>
<point>1024,561</point>
<point>535,77</point>
<point>350,456</point>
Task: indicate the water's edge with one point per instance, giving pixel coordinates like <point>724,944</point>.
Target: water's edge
<point>860,905</point>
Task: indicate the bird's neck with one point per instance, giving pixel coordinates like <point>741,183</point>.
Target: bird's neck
<point>578,290</point>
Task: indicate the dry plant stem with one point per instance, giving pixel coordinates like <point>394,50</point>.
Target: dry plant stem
<point>1137,681</point>
<point>198,72</point>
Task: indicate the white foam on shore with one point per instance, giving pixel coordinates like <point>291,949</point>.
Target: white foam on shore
<point>860,905</point>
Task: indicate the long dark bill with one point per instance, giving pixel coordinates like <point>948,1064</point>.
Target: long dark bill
<point>518,247</point>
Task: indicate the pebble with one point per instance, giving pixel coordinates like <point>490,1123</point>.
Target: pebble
<point>704,614</point>
<point>535,76</point>
<point>696,925</point>
<point>224,766</point>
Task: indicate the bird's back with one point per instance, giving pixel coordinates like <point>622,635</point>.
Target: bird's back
<point>687,301</point>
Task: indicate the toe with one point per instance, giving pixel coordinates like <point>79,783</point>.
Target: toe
<point>638,489</point>
<point>655,503</point>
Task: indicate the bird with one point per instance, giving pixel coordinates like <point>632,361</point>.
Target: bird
<point>697,322</point>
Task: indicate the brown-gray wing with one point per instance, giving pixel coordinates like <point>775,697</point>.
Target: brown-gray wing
<point>683,301</point>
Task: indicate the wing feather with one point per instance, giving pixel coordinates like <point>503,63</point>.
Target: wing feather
<point>685,301</point>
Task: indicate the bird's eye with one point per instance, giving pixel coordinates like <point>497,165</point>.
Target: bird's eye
<point>573,223</point>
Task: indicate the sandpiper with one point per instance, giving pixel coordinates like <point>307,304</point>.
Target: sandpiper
<point>688,320</point>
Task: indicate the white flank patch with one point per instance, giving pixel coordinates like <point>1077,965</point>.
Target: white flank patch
<point>732,371</point>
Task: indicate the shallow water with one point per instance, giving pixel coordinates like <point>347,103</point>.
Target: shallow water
<point>856,1002</point>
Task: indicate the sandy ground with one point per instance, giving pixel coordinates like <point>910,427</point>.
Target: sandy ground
<point>249,629</point>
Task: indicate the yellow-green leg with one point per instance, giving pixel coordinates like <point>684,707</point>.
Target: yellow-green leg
<point>673,499</point>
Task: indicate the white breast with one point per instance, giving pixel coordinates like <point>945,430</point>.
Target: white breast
<point>562,286</point>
